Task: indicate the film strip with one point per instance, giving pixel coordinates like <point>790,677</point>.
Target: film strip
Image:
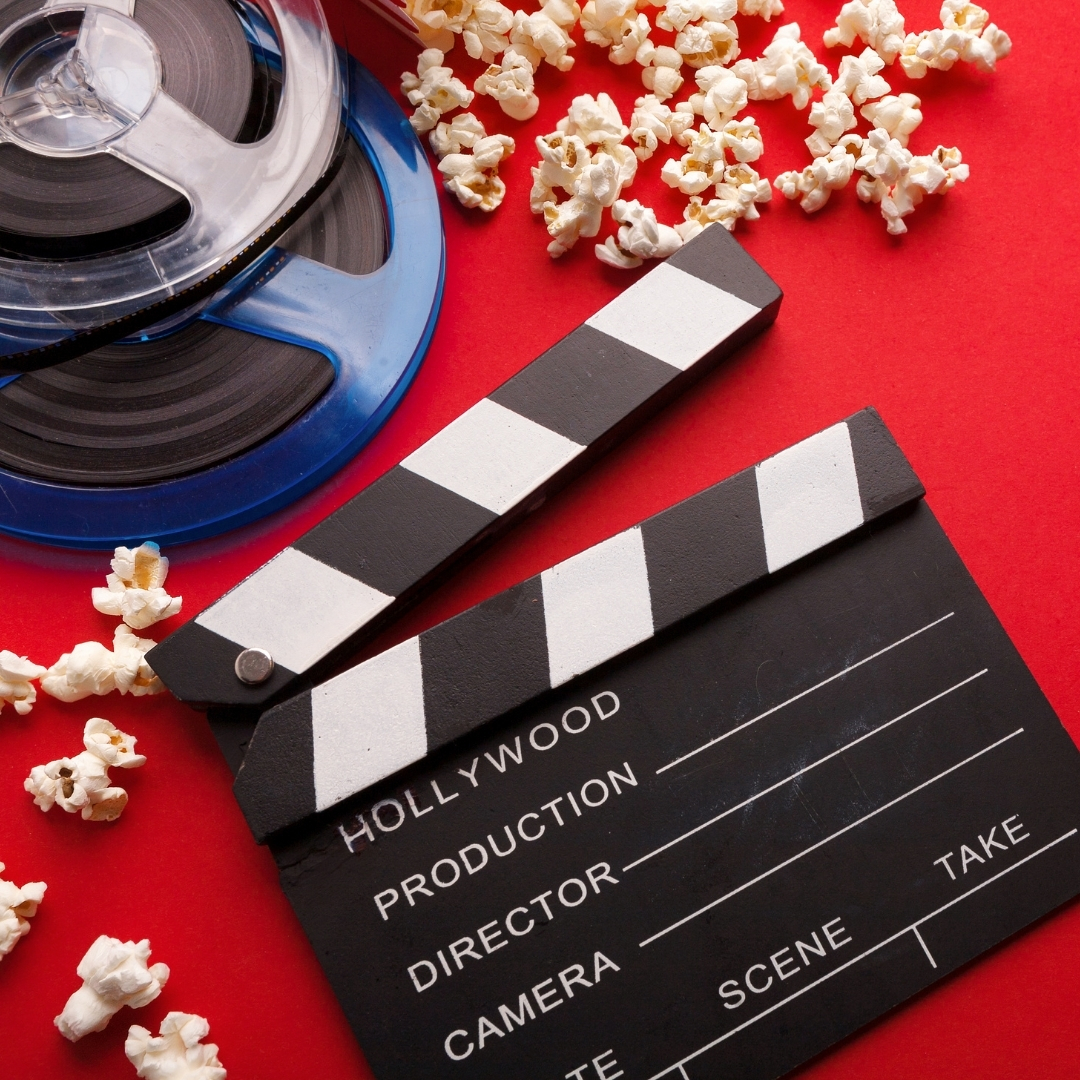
<point>319,748</point>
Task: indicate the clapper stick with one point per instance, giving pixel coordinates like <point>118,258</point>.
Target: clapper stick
<point>337,585</point>
<point>326,744</point>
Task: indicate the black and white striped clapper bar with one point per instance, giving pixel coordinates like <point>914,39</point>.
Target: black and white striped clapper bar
<point>327,744</point>
<point>337,584</point>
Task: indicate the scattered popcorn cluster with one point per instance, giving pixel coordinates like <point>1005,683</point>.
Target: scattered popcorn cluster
<point>82,782</point>
<point>585,164</point>
<point>17,907</point>
<point>177,1052</point>
<point>114,974</point>
<point>135,592</point>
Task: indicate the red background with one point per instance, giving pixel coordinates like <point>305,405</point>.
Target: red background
<point>964,336</point>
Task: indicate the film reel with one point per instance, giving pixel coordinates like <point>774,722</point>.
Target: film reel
<point>88,82</point>
<point>234,410</point>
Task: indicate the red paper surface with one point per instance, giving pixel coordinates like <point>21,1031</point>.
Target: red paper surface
<point>963,334</point>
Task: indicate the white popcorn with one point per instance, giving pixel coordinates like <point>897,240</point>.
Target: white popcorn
<point>90,668</point>
<point>474,178</point>
<point>743,139</point>
<point>485,31</point>
<point>664,76</point>
<point>563,158</point>
<point>701,166</point>
<point>433,90</point>
<point>640,237</point>
<point>708,44</point>
<point>438,21</point>
<point>539,37</point>
<point>966,34</point>
<point>568,221</point>
<point>461,133</point>
<point>832,116</point>
<point>786,67</point>
<point>859,79</point>
<point>16,681</point>
<point>677,13</point>
<point>82,782</point>
<point>611,169</point>
<point>135,589</point>
<point>927,174</point>
<point>876,22</point>
<point>177,1053</point>
<point>564,13</point>
<point>765,9</point>
<point>114,974</point>
<point>653,123</point>
<point>827,173</point>
<point>899,115</point>
<point>510,82</point>
<point>883,162</point>
<point>595,120</point>
<point>631,41</point>
<point>723,95</point>
<point>737,197</point>
<point>600,19</point>
<point>17,906</point>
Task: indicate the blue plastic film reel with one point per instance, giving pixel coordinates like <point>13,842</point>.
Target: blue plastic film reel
<point>374,329</point>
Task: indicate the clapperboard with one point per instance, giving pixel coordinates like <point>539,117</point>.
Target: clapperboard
<point>699,801</point>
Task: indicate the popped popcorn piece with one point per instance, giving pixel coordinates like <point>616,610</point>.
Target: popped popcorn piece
<point>90,668</point>
<point>723,95</point>
<point>563,158</point>
<point>16,685</point>
<point>653,123</point>
<point>135,589</point>
<point>463,132</point>
<point>510,82</point>
<point>786,67</point>
<point>568,221</point>
<point>832,116</point>
<point>737,197</point>
<point>766,9</point>
<point>602,19</point>
<point>743,139</point>
<point>827,173</point>
<point>437,21</point>
<point>640,237</point>
<point>701,166</point>
<point>915,177</point>
<point>563,12</point>
<point>966,34</point>
<point>434,90</point>
<point>899,115</point>
<point>595,120</point>
<point>474,178</point>
<point>708,44</point>
<point>859,79</point>
<point>177,1053</point>
<point>485,30</point>
<point>875,22</point>
<point>883,163</point>
<point>114,974</point>
<point>82,782</point>
<point>677,13</point>
<point>539,37</point>
<point>17,906</point>
<point>663,77</point>
<point>631,41</point>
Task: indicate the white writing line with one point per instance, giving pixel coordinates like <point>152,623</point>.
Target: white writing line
<point>680,1065</point>
<point>827,839</point>
<point>810,690</point>
<point>925,947</point>
<point>806,769</point>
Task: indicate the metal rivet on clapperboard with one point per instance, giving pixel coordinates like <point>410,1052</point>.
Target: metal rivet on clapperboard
<point>254,666</point>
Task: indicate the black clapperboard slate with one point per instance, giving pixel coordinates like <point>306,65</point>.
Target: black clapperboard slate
<point>819,779</point>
